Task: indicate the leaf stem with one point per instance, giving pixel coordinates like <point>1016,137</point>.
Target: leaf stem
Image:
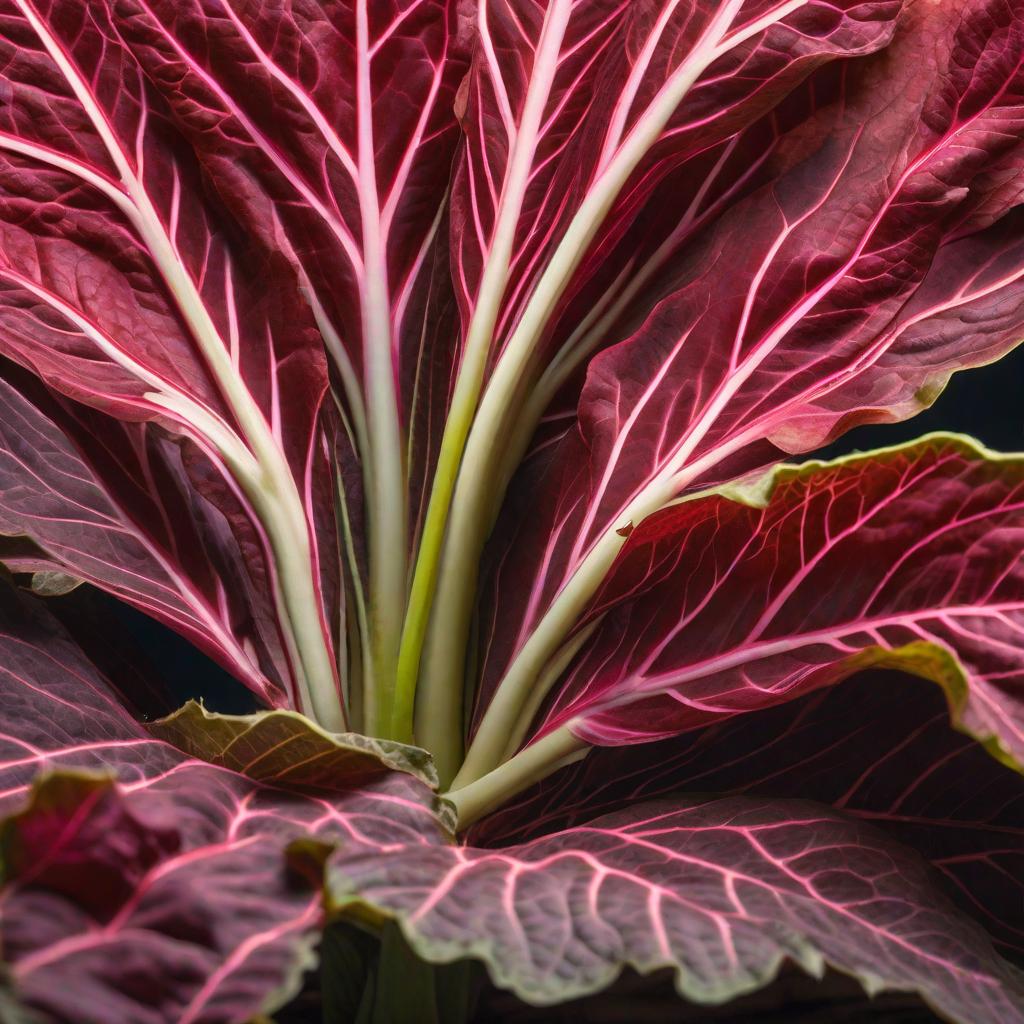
<point>526,681</point>
<point>514,692</point>
<point>468,505</point>
<point>440,727</point>
<point>542,757</point>
<point>387,491</point>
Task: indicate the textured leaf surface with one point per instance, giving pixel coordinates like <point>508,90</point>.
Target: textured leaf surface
<point>879,747</point>
<point>771,225</point>
<point>80,487</point>
<point>284,747</point>
<point>881,257</point>
<point>144,300</point>
<point>719,890</point>
<point>575,108</point>
<point>910,557</point>
<point>328,131</point>
<point>119,297</point>
<point>331,124</point>
<point>166,896</point>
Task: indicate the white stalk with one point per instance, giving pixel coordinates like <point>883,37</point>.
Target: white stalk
<point>387,496</point>
<point>526,682</point>
<point>439,729</point>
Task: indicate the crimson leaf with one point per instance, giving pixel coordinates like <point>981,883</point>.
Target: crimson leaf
<point>720,890</point>
<point>134,901</point>
<point>846,289</point>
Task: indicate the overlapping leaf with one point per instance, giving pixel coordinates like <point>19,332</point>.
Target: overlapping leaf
<point>127,290</point>
<point>574,111</point>
<point>167,896</point>
<point>762,881</point>
<point>148,546</point>
<point>879,747</point>
<point>198,198</point>
<point>883,257</point>
<point>719,890</point>
<point>909,557</point>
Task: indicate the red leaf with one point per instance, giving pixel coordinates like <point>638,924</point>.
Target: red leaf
<point>847,289</point>
<point>907,557</point>
<point>167,896</point>
<point>720,891</point>
<point>879,747</point>
<point>144,300</point>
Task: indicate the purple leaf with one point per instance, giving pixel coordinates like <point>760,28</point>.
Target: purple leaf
<point>908,558</point>
<point>164,550</point>
<point>166,896</point>
<point>719,890</point>
<point>879,747</point>
<point>76,837</point>
<point>413,355</point>
<point>845,290</point>
<point>327,130</point>
<point>145,301</point>
<point>573,108</point>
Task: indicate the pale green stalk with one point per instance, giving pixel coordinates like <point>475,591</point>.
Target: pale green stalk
<point>502,718</point>
<point>440,728</point>
<point>386,519</point>
<point>386,499</point>
<point>358,623</point>
<point>526,681</point>
<point>551,752</point>
<point>594,328</point>
<point>551,674</point>
<point>480,471</point>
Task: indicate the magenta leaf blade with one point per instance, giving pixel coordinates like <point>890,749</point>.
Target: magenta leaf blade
<point>866,268</point>
<point>879,747</point>
<point>719,890</point>
<point>908,557</point>
<point>141,884</point>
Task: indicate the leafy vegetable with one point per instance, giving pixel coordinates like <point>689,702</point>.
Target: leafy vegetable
<point>166,897</point>
<point>721,891</point>
<point>432,365</point>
